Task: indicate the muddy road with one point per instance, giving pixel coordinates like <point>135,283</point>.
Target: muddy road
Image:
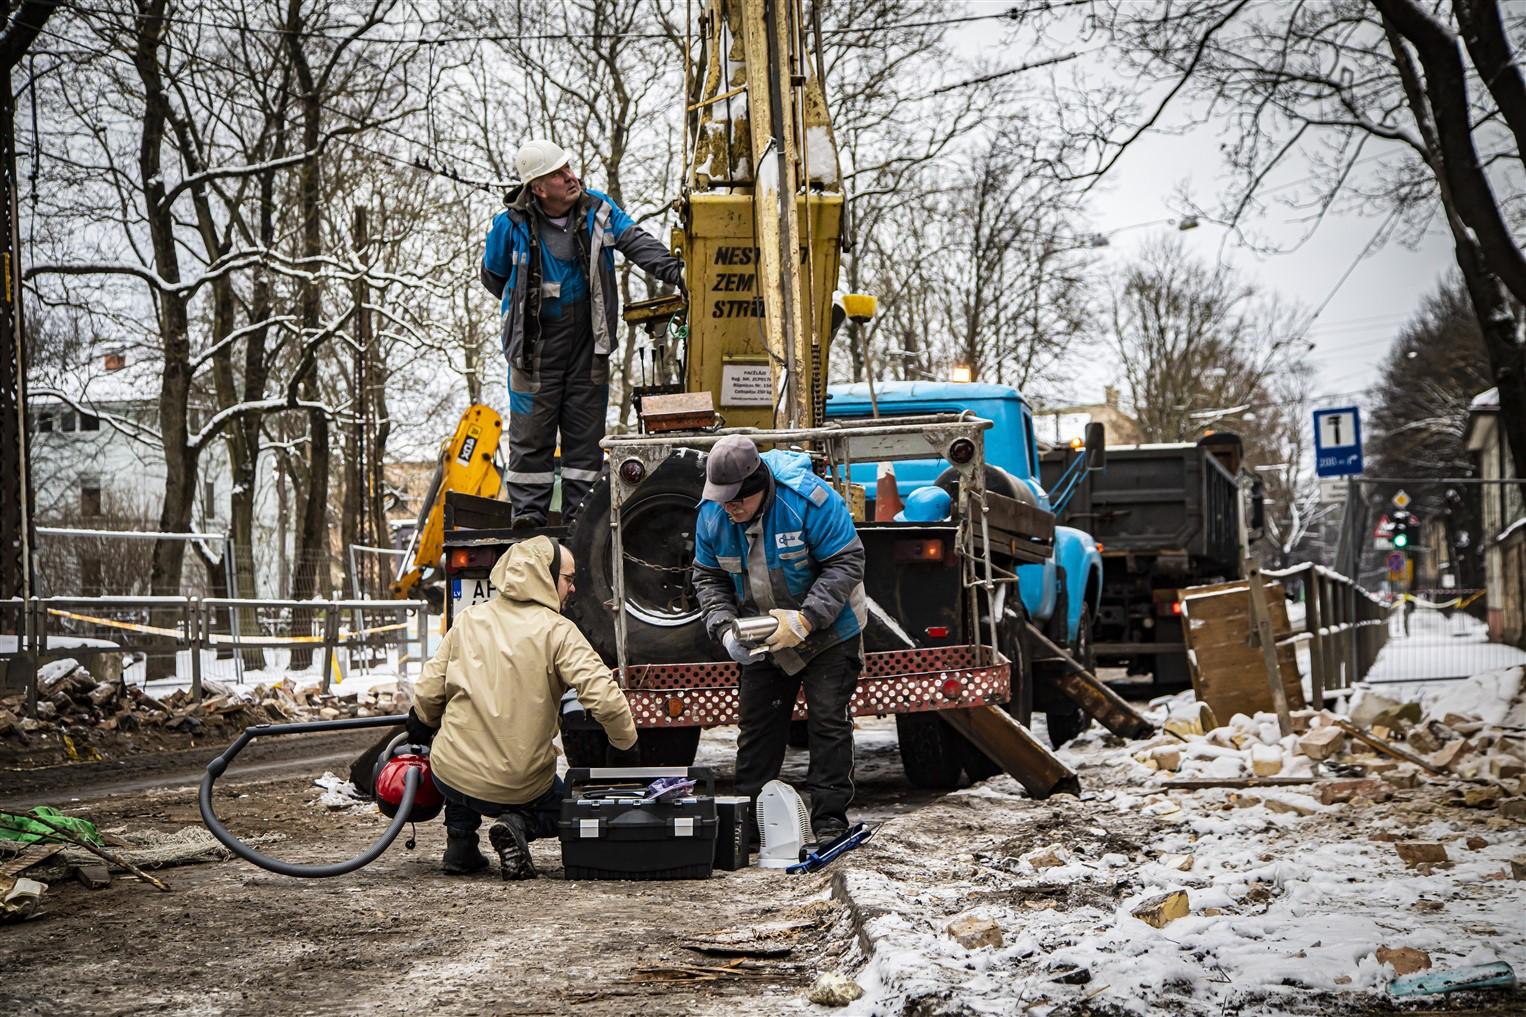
<point>399,936</point>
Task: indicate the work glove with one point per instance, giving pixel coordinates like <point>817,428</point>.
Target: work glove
<point>792,630</point>
<point>734,648</point>
<point>623,757</point>
<point>419,733</point>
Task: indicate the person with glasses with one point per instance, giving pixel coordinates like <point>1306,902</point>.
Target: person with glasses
<point>488,700</point>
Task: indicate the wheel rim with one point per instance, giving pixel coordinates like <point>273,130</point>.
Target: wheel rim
<point>658,590</point>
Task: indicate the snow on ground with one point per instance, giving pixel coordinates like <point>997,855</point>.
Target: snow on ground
<point>1289,899</point>
<point>1439,646</point>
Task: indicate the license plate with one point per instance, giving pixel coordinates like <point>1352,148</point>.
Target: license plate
<point>466,592</point>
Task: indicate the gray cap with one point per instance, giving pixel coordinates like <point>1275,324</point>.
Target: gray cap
<point>731,461</point>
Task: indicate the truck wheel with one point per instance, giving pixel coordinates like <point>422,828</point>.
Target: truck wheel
<point>931,753</point>
<point>1012,640</point>
<point>662,613</point>
<point>1065,719</point>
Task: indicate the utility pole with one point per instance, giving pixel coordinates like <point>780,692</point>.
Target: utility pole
<point>17,527</point>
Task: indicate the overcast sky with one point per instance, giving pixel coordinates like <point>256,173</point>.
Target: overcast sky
<point>1363,313</point>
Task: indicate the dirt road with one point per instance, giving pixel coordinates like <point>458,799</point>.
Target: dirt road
<point>399,936</point>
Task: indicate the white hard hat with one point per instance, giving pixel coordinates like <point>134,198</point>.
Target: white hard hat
<point>538,157</point>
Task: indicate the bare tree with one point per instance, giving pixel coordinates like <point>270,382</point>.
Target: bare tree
<point>1401,109</point>
<point>1196,344</point>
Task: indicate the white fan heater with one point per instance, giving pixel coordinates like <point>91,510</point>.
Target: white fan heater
<point>784,824</point>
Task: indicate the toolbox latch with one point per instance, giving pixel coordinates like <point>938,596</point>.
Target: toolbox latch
<point>683,826</point>
<point>588,828</point>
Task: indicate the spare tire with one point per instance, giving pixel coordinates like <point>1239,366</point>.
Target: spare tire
<point>998,481</point>
<point>663,624</point>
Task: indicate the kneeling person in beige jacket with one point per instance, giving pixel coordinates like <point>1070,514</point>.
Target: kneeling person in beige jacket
<point>489,700</point>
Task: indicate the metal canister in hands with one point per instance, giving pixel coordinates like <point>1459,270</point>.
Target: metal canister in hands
<point>754,632</point>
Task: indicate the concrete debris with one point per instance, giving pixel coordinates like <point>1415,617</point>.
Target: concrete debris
<point>833,989</point>
<point>1343,791</point>
<point>1486,797</point>
<point>1292,806</point>
<point>1163,909</point>
<point>1513,808</point>
<point>1404,960</point>
<point>1050,857</point>
<point>1182,863</point>
<point>1415,852</point>
<point>975,931</point>
<point>1449,755</point>
<point>1518,867</point>
<point>1373,709</point>
<point>93,876</point>
<point>1265,760</point>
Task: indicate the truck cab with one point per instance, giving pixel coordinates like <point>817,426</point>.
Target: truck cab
<point>1061,594</point>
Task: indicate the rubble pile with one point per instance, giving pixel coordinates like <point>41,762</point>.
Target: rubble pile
<point>1411,747</point>
<point>71,702</point>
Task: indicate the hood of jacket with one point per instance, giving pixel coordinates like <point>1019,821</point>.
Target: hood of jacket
<point>520,202</point>
<point>524,573</point>
<point>791,469</point>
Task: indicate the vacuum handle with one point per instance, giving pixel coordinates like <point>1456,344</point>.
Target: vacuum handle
<point>218,765</point>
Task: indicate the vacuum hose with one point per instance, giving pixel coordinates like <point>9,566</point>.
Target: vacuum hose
<point>216,767</point>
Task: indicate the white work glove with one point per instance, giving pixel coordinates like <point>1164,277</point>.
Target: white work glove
<point>734,648</point>
<point>792,630</point>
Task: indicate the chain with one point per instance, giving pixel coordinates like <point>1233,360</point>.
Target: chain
<point>678,569</point>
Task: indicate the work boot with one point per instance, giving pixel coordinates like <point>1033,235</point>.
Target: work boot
<point>528,521</point>
<point>824,833</point>
<point>462,856</point>
<point>508,838</point>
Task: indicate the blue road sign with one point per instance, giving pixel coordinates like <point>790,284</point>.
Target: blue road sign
<point>1338,442</point>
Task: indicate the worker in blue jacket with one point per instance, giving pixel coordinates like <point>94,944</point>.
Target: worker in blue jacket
<point>550,257</point>
<point>773,538</point>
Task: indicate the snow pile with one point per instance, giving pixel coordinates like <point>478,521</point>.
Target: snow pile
<point>1145,899</point>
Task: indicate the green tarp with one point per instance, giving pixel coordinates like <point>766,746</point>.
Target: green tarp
<point>19,827</point>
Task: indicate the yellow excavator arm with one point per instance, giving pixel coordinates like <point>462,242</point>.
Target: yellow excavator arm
<point>466,464</point>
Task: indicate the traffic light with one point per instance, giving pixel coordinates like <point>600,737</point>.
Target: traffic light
<point>1401,534</point>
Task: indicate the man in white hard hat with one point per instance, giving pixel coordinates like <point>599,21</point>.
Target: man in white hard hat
<point>550,258</point>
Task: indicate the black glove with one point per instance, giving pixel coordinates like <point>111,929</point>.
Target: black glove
<point>623,757</point>
<point>419,733</point>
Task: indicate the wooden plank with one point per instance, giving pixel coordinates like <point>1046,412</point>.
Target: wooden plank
<point>1238,782</point>
<point>1266,641</point>
<point>33,854</point>
<point>1010,745</point>
<point>1229,672</point>
<point>1387,747</point>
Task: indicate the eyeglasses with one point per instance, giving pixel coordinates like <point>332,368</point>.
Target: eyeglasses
<point>571,577</point>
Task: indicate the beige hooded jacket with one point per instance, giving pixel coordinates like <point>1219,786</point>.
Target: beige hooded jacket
<point>495,685</point>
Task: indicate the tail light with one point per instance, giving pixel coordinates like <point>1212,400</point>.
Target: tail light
<point>936,631</point>
<point>961,451</point>
<point>919,550</point>
<point>675,707</point>
<point>470,558</point>
<point>1166,602</point>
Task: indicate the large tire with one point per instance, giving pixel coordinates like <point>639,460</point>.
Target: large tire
<point>1012,640</point>
<point>932,753</point>
<point>662,613</point>
<point>1064,720</point>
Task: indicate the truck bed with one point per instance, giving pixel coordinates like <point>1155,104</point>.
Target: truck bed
<point>1153,499</point>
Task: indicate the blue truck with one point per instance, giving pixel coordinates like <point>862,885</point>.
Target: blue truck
<point>1060,596</point>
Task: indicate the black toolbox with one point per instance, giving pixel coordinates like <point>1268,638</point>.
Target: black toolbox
<point>609,832</point>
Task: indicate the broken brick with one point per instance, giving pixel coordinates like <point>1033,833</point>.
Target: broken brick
<point>1417,852</point>
<point>1486,797</point>
<point>973,932</point>
<point>1337,791</point>
<point>1450,754</point>
<point>1322,743</point>
<point>1405,960</point>
<point>1162,909</point>
<point>1513,808</point>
